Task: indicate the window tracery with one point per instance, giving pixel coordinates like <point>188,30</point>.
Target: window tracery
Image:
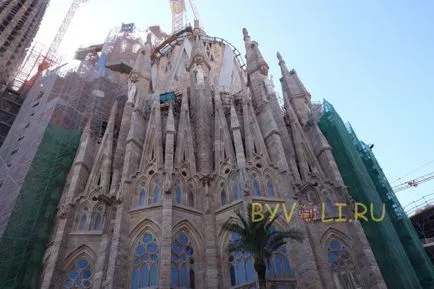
<point>341,265</point>
<point>145,262</point>
<point>97,219</point>
<point>278,266</point>
<point>236,188</point>
<point>256,185</point>
<point>269,186</point>
<point>143,196</point>
<point>80,275</point>
<point>82,221</point>
<point>241,269</point>
<point>156,193</point>
<point>183,263</point>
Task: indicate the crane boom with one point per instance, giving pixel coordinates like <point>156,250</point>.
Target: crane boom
<point>52,51</point>
<point>194,9</point>
<point>413,183</point>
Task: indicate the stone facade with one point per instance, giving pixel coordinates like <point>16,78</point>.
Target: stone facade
<point>146,210</point>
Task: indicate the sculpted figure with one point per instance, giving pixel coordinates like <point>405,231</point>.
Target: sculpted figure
<point>132,89</point>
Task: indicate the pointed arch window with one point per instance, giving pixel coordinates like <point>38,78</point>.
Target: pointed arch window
<point>190,195</point>
<point>143,196</point>
<point>82,222</point>
<point>178,191</point>
<point>341,265</point>
<point>278,265</point>
<point>241,269</point>
<point>256,186</point>
<point>269,186</point>
<point>223,196</point>
<point>97,219</point>
<point>183,263</point>
<point>80,275</point>
<point>157,191</point>
<point>236,189</point>
<point>145,262</point>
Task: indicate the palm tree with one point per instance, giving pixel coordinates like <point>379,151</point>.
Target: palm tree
<point>259,240</point>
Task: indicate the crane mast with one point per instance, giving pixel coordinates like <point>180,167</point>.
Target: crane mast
<point>178,12</point>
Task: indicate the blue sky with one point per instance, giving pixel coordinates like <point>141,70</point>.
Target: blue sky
<point>373,60</point>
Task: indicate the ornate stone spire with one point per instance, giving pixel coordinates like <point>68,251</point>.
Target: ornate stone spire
<point>254,58</point>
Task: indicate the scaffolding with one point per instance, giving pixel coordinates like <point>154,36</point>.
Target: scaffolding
<point>37,155</point>
<point>394,242</point>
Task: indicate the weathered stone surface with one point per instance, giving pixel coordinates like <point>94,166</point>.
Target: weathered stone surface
<point>189,166</point>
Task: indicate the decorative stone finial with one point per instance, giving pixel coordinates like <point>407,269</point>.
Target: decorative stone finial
<point>148,38</point>
<point>245,33</point>
<point>279,57</point>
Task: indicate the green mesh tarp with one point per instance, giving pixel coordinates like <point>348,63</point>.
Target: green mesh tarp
<point>399,253</point>
<point>24,242</point>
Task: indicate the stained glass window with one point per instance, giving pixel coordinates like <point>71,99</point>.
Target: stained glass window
<point>236,189</point>
<point>190,196</point>
<point>142,196</point>
<point>157,191</point>
<point>341,265</point>
<point>183,263</point>
<point>145,263</point>
<point>97,219</point>
<point>256,186</point>
<point>178,192</point>
<point>83,219</point>
<point>80,276</point>
<point>278,265</point>
<point>241,269</point>
<point>270,189</point>
<point>223,195</point>
<point>337,255</point>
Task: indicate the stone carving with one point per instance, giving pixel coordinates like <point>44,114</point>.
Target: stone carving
<point>168,184</point>
<point>269,86</point>
<point>132,91</point>
<point>200,74</point>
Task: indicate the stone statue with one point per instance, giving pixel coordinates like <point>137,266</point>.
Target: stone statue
<point>200,74</point>
<point>132,89</point>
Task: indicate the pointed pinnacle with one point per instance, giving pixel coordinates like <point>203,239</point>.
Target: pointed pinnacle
<point>245,33</point>
<point>148,38</point>
<point>279,57</point>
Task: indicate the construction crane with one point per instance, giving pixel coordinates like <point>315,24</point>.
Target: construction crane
<point>413,183</point>
<point>50,58</point>
<point>178,12</point>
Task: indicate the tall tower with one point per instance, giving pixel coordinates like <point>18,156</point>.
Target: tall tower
<point>19,22</point>
<point>199,138</point>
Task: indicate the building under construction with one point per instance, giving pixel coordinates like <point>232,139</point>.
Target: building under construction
<point>394,241</point>
<point>19,22</point>
<point>122,170</point>
<point>422,217</point>
<point>38,152</point>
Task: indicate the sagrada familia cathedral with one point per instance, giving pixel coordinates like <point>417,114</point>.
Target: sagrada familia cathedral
<point>145,205</point>
<point>198,137</point>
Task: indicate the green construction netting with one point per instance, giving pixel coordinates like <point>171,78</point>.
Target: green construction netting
<point>24,242</point>
<point>397,249</point>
